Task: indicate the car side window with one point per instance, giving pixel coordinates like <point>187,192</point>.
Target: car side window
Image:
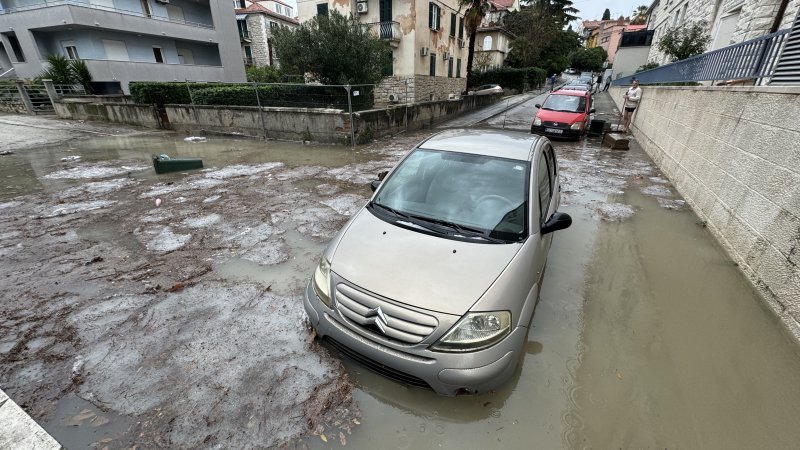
<point>545,190</point>
<point>551,166</point>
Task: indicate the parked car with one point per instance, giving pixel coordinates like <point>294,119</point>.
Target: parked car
<point>564,113</point>
<point>577,87</point>
<point>434,282</point>
<point>488,89</point>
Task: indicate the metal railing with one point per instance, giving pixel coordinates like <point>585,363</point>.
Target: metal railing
<point>70,89</point>
<point>37,94</point>
<point>86,4</point>
<point>387,30</point>
<point>753,59</point>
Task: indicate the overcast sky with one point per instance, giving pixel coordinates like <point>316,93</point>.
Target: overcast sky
<point>593,9</point>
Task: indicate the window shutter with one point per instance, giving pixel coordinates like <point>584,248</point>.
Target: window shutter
<point>452,24</point>
<point>430,15</point>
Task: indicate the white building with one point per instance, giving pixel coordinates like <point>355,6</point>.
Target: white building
<point>493,41</point>
<point>427,41</point>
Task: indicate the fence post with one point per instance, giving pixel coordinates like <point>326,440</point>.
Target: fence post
<point>350,109</point>
<point>260,111</point>
<point>23,94</point>
<point>51,90</point>
<point>191,99</point>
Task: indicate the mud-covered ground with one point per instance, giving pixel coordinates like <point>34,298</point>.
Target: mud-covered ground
<point>122,290</point>
<point>116,300</point>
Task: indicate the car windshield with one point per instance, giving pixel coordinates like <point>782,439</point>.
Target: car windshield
<point>565,103</point>
<point>457,195</point>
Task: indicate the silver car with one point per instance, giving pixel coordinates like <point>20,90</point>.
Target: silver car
<point>434,282</point>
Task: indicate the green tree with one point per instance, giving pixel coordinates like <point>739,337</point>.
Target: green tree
<point>648,66</point>
<point>639,16</point>
<point>606,14</point>
<point>685,41</point>
<point>541,40</point>
<point>333,49</point>
<point>588,59</point>
<point>473,16</point>
<point>67,72</point>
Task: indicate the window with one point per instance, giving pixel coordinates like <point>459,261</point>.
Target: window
<point>388,70</point>
<point>175,13</point>
<point>273,25</point>
<point>239,4</point>
<point>185,56</point>
<point>278,9</point>
<point>434,12</point>
<point>287,11</point>
<point>551,166</point>
<point>458,68</point>
<point>545,190</point>
<point>158,53</point>
<point>461,28</point>
<point>15,47</point>
<point>322,9</point>
<point>487,43</point>
<point>433,65</point>
<point>146,8</point>
<point>243,31</point>
<point>450,68</point>
<point>115,50</point>
<point>452,25</point>
<point>70,50</point>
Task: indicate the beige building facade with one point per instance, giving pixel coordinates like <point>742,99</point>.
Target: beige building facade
<point>256,21</point>
<point>426,38</point>
<point>493,41</point>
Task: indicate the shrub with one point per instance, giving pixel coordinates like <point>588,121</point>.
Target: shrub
<point>266,74</point>
<point>174,92</point>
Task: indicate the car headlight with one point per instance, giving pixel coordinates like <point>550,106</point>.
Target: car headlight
<point>322,282</point>
<point>537,121</point>
<point>576,126</point>
<point>475,331</point>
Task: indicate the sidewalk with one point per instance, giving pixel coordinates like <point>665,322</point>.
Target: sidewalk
<point>18,430</point>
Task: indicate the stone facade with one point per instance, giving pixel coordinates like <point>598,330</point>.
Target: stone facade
<point>258,26</point>
<point>418,88</point>
<point>738,169</point>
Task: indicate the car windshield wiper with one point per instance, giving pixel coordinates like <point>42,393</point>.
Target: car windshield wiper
<point>391,210</point>
<point>476,232</point>
<point>414,220</point>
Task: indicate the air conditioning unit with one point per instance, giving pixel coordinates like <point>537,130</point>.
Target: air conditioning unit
<point>361,7</point>
<point>394,98</point>
<point>447,56</point>
<point>423,51</point>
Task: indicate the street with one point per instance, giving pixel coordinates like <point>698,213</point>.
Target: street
<point>131,322</point>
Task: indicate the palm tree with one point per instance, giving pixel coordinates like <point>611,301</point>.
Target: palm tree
<point>473,16</point>
<point>639,15</point>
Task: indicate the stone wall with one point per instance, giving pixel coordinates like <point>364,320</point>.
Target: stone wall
<point>733,154</point>
<point>757,17</point>
<point>419,88</point>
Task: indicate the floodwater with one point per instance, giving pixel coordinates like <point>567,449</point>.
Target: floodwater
<point>647,335</point>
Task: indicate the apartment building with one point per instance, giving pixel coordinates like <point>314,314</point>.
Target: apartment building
<point>124,40</point>
<point>427,42</point>
<point>493,41</point>
<point>256,21</point>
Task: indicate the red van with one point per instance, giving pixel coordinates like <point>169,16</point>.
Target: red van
<point>563,114</point>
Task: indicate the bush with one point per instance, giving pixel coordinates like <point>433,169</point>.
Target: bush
<point>175,93</point>
<point>510,78</point>
<point>266,74</point>
<point>232,94</point>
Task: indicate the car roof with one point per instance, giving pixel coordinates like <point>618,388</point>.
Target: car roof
<point>570,92</point>
<point>500,143</point>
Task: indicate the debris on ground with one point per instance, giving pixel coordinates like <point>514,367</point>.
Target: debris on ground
<point>195,139</point>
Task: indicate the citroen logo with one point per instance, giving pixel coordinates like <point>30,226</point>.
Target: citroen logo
<point>378,318</point>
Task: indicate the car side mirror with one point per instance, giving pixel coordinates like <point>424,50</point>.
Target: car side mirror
<point>374,185</point>
<point>591,111</point>
<point>537,105</point>
<point>558,221</point>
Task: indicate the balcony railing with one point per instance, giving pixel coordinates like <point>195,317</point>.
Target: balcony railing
<point>389,31</point>
<point>247,61</point>
<point>244,35</point>
<point>753,59</point>
<point>86,4</point>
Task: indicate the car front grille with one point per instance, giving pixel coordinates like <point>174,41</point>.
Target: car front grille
<point>375,366</point>
<point>555,124</point>
<point>383,318</point>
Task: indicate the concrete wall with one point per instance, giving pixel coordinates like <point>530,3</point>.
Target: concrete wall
<point>629,59</point>
<point>316,124</point>
<point>733,154</point>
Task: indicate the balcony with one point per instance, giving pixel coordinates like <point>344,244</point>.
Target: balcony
<point>247,61</point>
<point>389,31</point>
<point>244,35</point>
<point>74,6</point>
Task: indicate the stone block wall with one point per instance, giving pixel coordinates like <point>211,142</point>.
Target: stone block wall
<point>418,88</point>
<point>733,154</point>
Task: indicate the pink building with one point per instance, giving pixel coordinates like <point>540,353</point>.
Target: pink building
<point>610,34</point>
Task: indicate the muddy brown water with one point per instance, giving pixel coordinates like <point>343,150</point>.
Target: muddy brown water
<point>647,335</point>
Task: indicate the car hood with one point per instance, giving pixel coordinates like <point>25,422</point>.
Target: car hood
<point>558,116</point>
<point>418,269</point>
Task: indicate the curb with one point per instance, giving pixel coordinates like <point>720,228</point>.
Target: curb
<point>19,430</point>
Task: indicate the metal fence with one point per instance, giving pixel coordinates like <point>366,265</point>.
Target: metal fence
<point>10,99</point>
<point>755,59</point>
<point>37,94</point>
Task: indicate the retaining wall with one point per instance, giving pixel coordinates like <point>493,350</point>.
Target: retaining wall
<point>315,124</point>
<point>734,155</point>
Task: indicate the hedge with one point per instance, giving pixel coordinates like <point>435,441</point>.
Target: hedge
<point>510,78</point>
<point>231,94</point>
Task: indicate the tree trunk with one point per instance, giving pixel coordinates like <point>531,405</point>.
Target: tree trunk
<point>471,54</point>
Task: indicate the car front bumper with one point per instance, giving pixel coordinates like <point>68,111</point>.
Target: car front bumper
<point>566,133</point>
<point>446,373</point>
